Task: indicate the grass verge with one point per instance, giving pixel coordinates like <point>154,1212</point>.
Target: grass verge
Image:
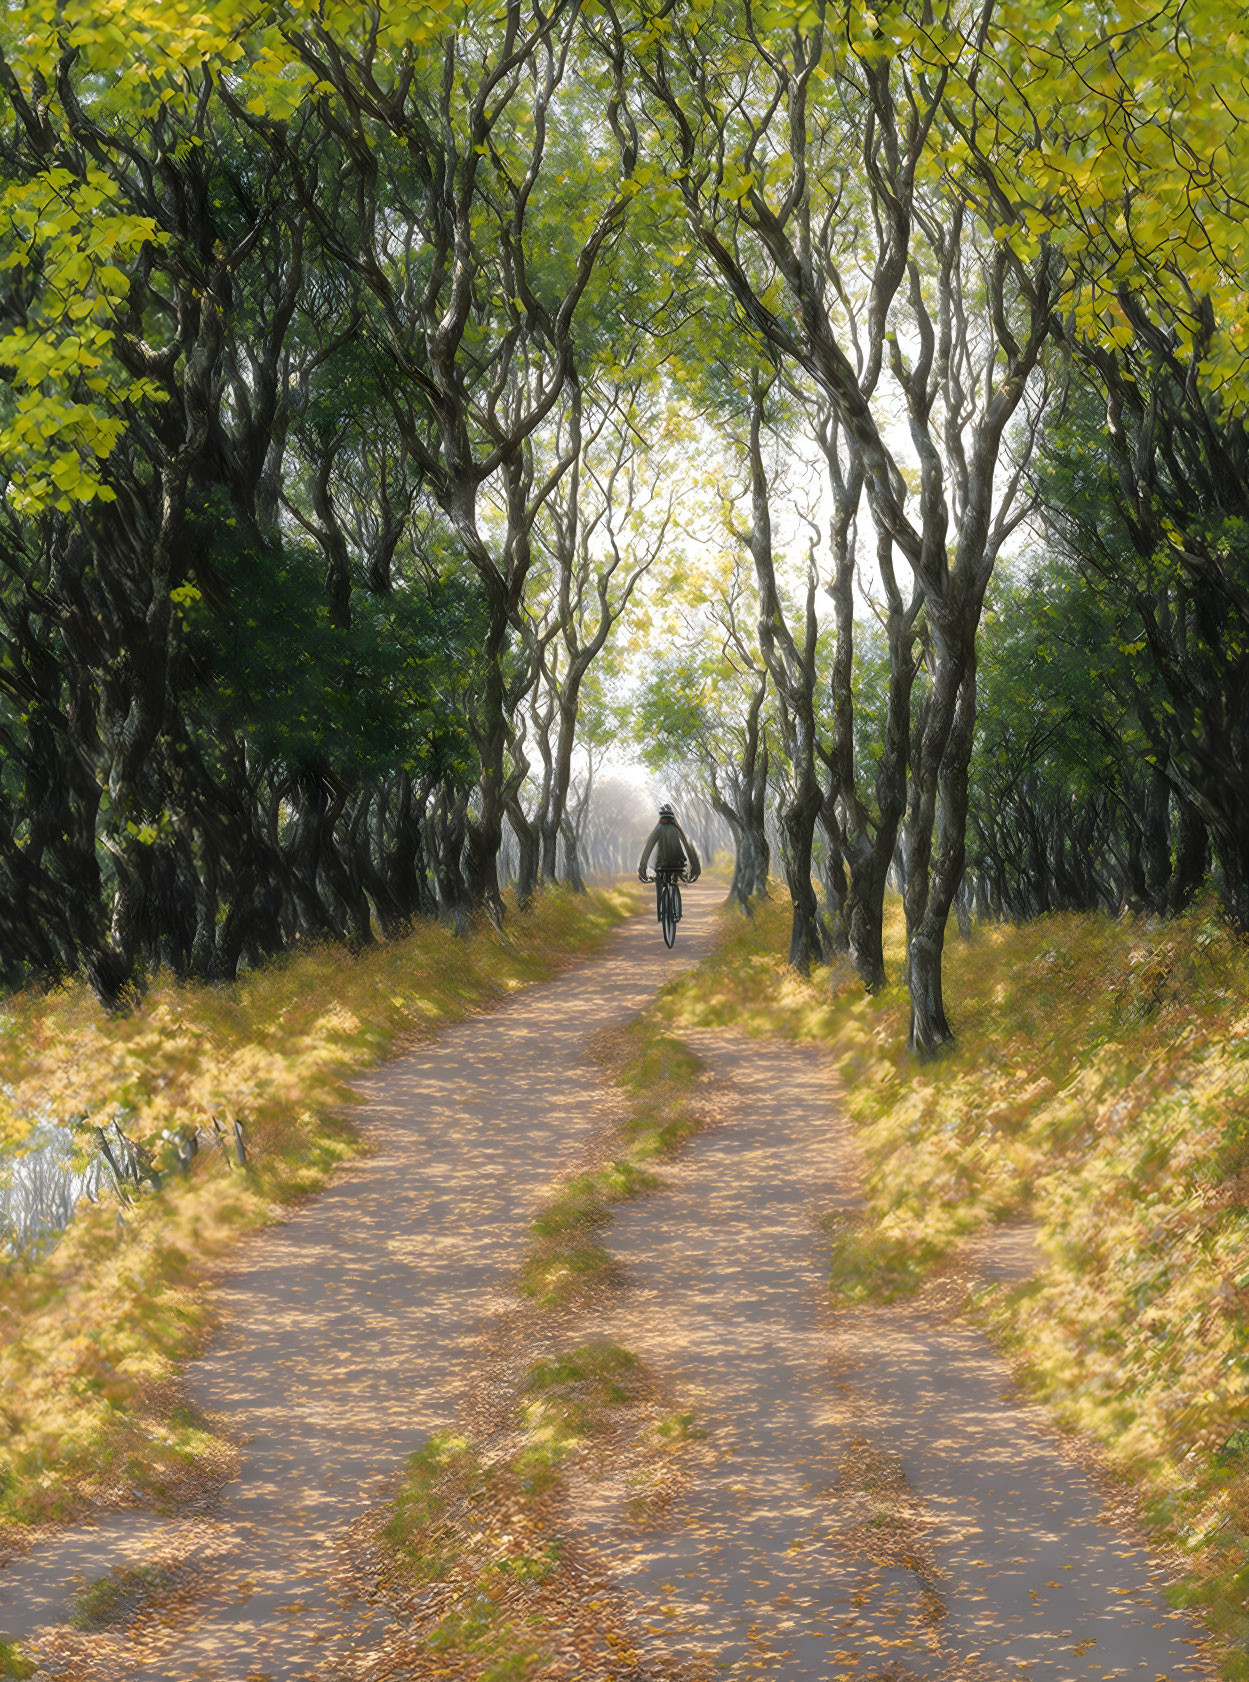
<point>93,1334</point>
<point>1100,1086</point>
<point>110,1599</point>
<point>13,1663</point>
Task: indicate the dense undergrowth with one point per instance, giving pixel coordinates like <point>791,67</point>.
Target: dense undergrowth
<point>91,1335</point>
<point>1100,1085</point>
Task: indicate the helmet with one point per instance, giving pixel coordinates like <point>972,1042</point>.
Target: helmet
<point>665,811</point>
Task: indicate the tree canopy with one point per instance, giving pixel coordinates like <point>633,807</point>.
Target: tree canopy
<point>364,369</point>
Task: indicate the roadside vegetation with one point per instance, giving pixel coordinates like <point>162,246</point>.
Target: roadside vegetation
<point>1100,1087</point>
<point>92,1334</point>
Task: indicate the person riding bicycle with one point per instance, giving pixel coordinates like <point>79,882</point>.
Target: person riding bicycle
<point>671,847</point>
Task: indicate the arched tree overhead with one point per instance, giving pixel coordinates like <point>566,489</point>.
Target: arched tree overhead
<point>988,187</point>
<point>152,271</point>
<point>441,188</point>
<point>1120,134</point>
<point>221,227</point>
<point>226,382</point>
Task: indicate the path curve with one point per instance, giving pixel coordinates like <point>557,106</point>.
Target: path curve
<point>874,1500</point>
<point>348,1329</point>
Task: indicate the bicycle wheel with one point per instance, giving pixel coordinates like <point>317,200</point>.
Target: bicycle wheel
<point>668,913</point>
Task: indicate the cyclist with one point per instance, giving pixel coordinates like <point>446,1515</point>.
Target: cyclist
<point>671,847</point>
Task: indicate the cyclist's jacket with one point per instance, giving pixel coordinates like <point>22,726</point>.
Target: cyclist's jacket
<point>670,844</point>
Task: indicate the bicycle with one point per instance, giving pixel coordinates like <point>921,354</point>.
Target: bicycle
<point>668,900</point>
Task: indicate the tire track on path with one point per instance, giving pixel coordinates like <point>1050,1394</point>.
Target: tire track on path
<point>878,1502</point>
<point>347,1333</point>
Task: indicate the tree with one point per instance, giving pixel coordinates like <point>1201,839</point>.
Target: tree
<point>1069,811</point>
<point>328,345</point>
<point>861,829</point>
<point>789,656</point>
<point>600,532</point>
<point>151,237</point>
<point>216,744</point>
<point>793,150</point>
<point>1152,512</point>
<point>433,195</point>
<point>1120,136</point>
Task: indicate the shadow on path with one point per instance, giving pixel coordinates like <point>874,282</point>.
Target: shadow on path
<point>873,1500</point>
<point>348,1330</point>
<point>878,1502</point>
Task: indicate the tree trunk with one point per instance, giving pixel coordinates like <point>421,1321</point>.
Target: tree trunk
<point>930,1031</point>
<point>866,918</point>
<point>758,852</point>
<point>303,855</point>
<point>572,856</point>
<point>962,908</point>
<point>808,940</point>
<point>1192,851</point>
<point>528,844</point>
<point>835,887</point>
<point>341,880</point>
<point>867,841</point>
<point>791,667</point>
<point>1232,853</point>
<point>485,832</point>
<point>204,941</point>
<point>448,826</point>
<point>364,850</point>
<point>559,772</point>
<point>739,892</point>
<point>1156,838</point>
<point>937,811</point>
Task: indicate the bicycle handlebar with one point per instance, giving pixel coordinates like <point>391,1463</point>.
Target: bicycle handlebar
<point>681,875</point>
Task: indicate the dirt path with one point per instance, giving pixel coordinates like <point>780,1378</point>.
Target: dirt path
<point>877,1501</point>
<point>349,1329</point>
<point>871,1500</point>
